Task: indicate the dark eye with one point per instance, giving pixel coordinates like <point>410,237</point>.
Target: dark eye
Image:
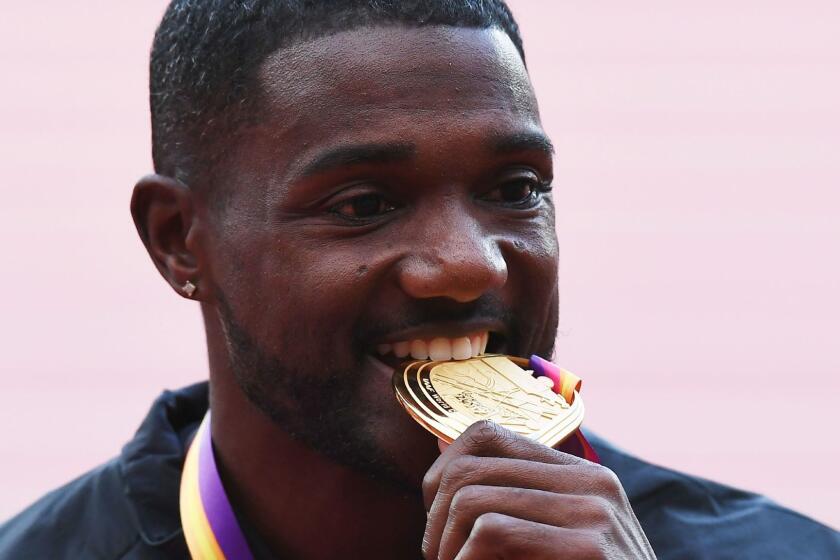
<point>363,207</point>
<point>518,193</point>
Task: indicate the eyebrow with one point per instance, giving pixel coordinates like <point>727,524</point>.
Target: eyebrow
<point>360,154</point>
<point>522,142</point>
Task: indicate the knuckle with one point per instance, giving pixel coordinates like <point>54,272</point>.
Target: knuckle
<point>489,527</point>
<point>463,466</point>
<point>486,433</point>
<point>428,486</point>
<point>601,512</point>
<point>465,499</point>
<point>607,482</point>
<point>508,537</point>
<point>460,471</point>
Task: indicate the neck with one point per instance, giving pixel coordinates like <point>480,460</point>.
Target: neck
<point>301,503</point>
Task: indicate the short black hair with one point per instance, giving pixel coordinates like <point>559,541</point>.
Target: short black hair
<point>206,54</point>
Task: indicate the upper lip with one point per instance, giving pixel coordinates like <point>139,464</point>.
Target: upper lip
<point>454,329</point>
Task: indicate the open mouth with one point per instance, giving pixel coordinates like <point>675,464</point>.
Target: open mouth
<point>440,348</point>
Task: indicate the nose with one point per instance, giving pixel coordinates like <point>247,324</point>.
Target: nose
<point>459,263</point>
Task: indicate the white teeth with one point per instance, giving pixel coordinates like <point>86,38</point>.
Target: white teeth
<point>401,349</point>
<point>461,349</point>
<point>475,344</point>
<point>440,349</point>
<point>419,350</point>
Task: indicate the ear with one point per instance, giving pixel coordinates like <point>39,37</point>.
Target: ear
<point>163,212</point>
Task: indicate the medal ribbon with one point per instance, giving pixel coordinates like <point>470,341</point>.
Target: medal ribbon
<point>210,527</point>
<point>566,384</point>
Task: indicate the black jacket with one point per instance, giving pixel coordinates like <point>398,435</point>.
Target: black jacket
<point>127,509</point>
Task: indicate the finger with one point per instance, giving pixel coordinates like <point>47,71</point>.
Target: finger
<point>547,508</point>
<point>442,445</point>
<point>588,478</point>
<point>584,479</point>
<point>501,537</point>
<point>488,439</point>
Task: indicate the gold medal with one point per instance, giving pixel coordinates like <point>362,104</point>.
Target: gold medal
<point>447,397</point>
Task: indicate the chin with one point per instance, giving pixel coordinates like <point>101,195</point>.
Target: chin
<point>402,446</point>
<point>410,448</point>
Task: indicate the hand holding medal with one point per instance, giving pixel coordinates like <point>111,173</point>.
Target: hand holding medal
<point>500,490</point>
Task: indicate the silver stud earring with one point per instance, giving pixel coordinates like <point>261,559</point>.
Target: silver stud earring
<point>189,288</point>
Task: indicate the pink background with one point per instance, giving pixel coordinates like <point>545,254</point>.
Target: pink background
<point>698,178</point>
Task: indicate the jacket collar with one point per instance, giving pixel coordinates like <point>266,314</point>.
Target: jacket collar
<point>151,462</point>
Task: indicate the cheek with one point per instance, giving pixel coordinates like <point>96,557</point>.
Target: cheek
<point>300,304</point>
<point>534,254</point>
<point>532,274</point>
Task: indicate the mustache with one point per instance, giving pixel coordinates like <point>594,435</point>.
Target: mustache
<point>418,313</point>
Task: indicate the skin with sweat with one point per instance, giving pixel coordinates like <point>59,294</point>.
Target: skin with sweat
<point>395,186</point>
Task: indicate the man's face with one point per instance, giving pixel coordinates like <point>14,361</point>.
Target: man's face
<point>391,191</point>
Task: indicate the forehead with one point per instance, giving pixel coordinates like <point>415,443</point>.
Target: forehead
<point>384,81</point>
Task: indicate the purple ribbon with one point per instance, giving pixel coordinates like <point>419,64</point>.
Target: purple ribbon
<point>217,507</point>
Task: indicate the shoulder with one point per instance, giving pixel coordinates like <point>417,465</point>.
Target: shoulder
<point>690,517</point>
<point>125,509</point>
<point>91,517</point>
<point>86,518</point>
